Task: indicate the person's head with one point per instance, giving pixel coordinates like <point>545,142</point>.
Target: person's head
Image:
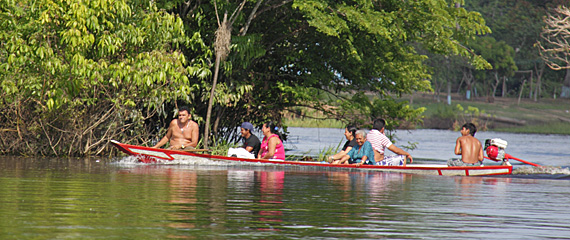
<point>246,129</point>
<point>360,136</point>
<point>470,128</point>
<point>270,128</point>
<point>349,132</point>
<point>378,124</point>
<point>183,114</point>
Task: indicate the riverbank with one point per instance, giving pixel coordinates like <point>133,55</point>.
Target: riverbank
<point>547,116</point>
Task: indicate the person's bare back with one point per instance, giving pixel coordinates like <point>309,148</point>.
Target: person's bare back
<point>469,147</point>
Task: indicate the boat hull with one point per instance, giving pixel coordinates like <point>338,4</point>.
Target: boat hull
<point>150,155</point>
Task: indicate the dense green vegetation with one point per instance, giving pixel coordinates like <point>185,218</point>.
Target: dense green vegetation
<point>76,74</point>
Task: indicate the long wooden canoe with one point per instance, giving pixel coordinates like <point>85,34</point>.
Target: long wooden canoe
<point>157,155</point>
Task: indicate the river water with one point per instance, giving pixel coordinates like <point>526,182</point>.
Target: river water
<point>98,198</point>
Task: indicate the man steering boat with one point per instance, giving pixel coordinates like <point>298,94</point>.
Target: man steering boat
<point>182,132</point>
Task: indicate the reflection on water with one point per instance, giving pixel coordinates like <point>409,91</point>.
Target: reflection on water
<point>271,196</point>
<point>119,199</point>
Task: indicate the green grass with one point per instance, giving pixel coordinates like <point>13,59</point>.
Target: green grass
<point>313,123</point>
<point>324,153</point>
<point>507,107</point>
<point>551,128</point>
<point>310,118</point>
<point>547,116</point>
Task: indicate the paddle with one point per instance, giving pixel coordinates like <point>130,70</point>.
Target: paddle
<point>195,150</point>
<point>508,157</point>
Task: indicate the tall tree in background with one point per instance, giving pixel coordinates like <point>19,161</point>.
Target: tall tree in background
<point>222,49</point>
<point>555,46</point>
<point>519,23</point>
<point>501,57</point>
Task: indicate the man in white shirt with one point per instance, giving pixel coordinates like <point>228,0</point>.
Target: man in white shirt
<point>380,142</point>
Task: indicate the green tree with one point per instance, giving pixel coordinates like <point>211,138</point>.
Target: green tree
<point>500,56</point>
<point>76,74</point>
<point>519,24</point>
<point>308,53</point>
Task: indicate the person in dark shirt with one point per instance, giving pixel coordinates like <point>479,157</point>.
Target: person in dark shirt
<point>349,133</point>
<point>250,142</point>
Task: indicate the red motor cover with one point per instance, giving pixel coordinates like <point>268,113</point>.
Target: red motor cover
<point>492,152</point>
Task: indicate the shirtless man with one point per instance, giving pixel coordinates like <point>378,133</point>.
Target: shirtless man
<point>468,147</point>
<point>182,132</point>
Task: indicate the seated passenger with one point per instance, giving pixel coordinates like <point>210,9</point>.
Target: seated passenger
<point>349,132</point>
<point>362,153</point>
<point>468,147</point>
<point>272,144</point>
<point>380,142</point>
<point>251,143</point>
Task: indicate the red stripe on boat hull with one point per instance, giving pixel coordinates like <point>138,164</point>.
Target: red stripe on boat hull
<point>149,155</point>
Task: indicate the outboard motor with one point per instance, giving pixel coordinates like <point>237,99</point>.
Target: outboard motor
<point>495,149</point>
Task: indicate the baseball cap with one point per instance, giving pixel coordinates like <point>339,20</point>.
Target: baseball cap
<point>247,125</point>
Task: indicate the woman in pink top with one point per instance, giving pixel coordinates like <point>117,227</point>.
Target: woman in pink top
<point>271,145</point>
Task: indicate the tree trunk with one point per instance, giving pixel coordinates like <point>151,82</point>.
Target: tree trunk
<point>448,92</point>
<point>565,93</point>
<point>437,90</point>
<point>539,73</point>
<point>460,84</point>
<point>504,92</point>
<point>531,87</point>
<point>468,77</point>
<point>491,97</point>
<point>522,85</point>
<point>220,49</point>
<point>211,102</point>
<point>447,62</point>
<point>520,93</point>
<point>567,78</point>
